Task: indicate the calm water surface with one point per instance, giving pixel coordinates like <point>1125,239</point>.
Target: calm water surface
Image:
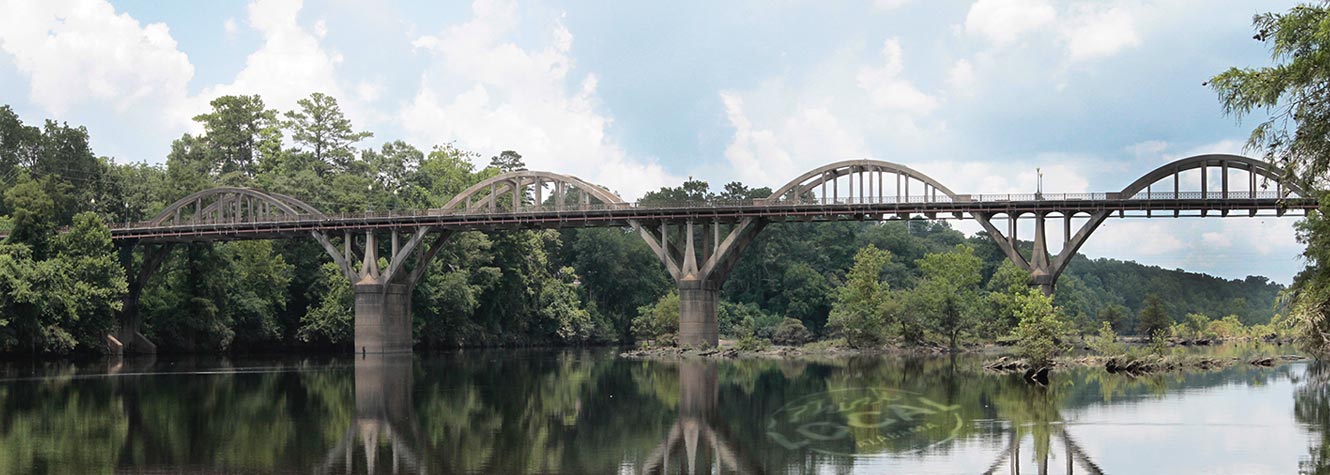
<point>576,412</point>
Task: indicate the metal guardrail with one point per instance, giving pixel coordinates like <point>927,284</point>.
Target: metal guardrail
<point>757,203</point>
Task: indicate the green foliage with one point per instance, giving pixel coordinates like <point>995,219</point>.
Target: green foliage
<point>1041,333</point>
<point>1197,325</point>
<point>1296,136</point>
<point>1115,315</point>
<point>1227,327</point>
<point>864,307</point>
<point>320,128</point>
<point>65,302</point>
<point>948,296</point>
<point>1106,342</point>
<point>657,319</point>
<point>1153,318</point>
<point>791,331</point>
<point>1004,289</point>
<point>737,318</point>
<point>332,320</point>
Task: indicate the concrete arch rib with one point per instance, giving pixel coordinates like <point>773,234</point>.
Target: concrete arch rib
<point>521,178</point>
<point>815,177</point>
<point>1252,165</point>
<point>283,203</point>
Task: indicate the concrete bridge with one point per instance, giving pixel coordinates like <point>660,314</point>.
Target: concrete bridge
<point>698,243</point>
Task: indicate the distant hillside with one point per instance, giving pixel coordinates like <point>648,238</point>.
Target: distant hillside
<point>776,272</point>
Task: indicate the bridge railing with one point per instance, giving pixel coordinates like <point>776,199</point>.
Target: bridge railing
<point>851,201</point>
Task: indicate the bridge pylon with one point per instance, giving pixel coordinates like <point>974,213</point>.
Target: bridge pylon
<point>699,256</point>
<point>383,294</point>
<point>1044,269</point>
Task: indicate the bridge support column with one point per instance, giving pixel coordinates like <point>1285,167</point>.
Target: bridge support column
<point>1043,271</point>
<point>383,318</point>
<point>383,294</point>
<point>698,314</point>
<point>699,279</point>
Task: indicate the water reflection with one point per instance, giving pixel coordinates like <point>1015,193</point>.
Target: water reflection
<point>699,440</point>
<point>385,425</point>
<point>590,412</point>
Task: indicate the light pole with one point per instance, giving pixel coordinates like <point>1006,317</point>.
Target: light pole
<point>1038,184</point>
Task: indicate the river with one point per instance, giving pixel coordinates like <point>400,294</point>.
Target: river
<point>590,412</point>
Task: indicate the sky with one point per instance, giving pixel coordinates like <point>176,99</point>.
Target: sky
<point>638,95</point>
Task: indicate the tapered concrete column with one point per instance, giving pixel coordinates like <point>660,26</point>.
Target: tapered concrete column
<point>383,294</point>
<point>698,321</point>
<point>383,318</point>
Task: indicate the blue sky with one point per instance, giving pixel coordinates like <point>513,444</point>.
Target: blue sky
<point>636,95</point>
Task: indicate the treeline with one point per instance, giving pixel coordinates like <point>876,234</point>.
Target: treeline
<point>62,292</point>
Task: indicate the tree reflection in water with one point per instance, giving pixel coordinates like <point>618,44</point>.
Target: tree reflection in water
<point>1311,406</point>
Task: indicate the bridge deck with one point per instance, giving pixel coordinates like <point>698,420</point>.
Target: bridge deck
<point>1155,205</point>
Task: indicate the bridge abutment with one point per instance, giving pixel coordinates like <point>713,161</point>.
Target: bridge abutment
<point>383,318</point>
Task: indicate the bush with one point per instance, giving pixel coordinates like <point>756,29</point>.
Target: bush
<point>657,319</point>
<point>1041,332</point>
<point>751,342</point>
<point>737,318</point>
<point>791,331</point>
<point>1106,343</point>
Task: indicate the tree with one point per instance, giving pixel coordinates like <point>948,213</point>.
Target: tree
<point>1197,325</point>
<point>863,307</point>
<point>1041,331</point>
<point>658,319</point>
<point>507,161</point>
<point>948,296</point>
<point>320,128</point>
<point>1153,317</point>
<point>1296,136</point>
<point>240,133</point>
<point>1115,315</point>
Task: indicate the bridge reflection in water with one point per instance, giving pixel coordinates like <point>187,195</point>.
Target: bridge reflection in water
<point>699,441</point>
<point>385,430</point>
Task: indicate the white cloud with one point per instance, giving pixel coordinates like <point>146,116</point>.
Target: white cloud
<point>489,94</point>
<point>288,66</point>
<point>887,89</point>
<point>771,154</point>
<point>230,26</point>
<point>1004,21</point>
<point>961,76</point>
<point>1216,240</point>
<point>1099,31</point>
<point>81,51</point>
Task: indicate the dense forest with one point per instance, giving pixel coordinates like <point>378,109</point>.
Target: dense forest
<point>60,291</point>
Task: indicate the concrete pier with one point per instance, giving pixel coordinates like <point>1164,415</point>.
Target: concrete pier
<point>698,314</point>
<point>383,318</point>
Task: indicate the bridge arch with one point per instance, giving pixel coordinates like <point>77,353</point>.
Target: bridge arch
<point>513,187</point>
<point>871,186</point>
<point>231,205</point>
<point>1225,162</point>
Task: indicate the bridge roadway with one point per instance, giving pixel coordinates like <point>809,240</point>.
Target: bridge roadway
<point>624,214</point>
<point>698,243</point>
